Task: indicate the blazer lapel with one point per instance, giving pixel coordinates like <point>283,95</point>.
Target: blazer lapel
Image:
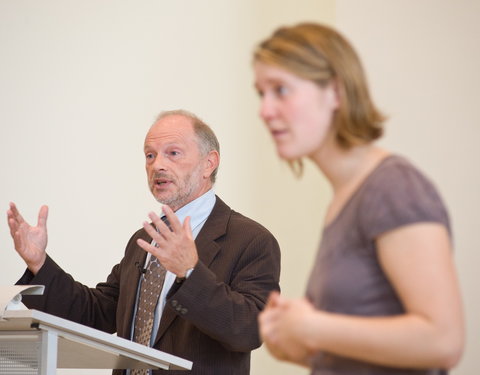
<point>131,286</point>
<point>131,295</point>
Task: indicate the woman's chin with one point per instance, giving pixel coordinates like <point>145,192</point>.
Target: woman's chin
<point>288,155</point>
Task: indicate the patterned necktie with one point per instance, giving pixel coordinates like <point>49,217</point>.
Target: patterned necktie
<point>150,289</point>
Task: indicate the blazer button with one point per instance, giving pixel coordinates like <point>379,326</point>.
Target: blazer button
<point>178,308</point>
<point>184,311</point>
<point>174,303</point>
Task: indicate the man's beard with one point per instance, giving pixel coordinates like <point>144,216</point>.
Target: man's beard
<point>184,193</point>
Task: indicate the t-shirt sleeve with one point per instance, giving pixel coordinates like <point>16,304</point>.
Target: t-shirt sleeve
<point>400,195</point>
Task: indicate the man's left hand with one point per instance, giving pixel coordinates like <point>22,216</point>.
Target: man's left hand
<point>175,247</point>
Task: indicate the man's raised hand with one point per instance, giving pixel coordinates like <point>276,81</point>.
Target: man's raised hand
<point>30,242</point>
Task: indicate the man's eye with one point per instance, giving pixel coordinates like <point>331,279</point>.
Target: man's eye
<point>148,156</point>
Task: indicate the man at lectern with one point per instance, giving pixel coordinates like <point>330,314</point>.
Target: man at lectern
<point>191,282</point>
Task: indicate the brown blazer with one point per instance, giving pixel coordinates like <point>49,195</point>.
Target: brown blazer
<point>210,319</point>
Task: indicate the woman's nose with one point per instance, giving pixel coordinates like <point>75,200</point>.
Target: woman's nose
<point>267,109</point>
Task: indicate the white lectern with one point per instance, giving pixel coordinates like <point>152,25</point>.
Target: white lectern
<point>33,342</point>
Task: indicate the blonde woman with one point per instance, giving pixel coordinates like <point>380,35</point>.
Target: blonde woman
<point>383,296</point>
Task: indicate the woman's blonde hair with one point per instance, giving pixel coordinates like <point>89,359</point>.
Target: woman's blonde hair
<point>320,54</point>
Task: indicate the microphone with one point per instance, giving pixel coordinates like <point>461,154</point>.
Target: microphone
<point>140,268</point>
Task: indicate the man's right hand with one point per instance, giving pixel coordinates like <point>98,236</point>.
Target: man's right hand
<point>30,242</point>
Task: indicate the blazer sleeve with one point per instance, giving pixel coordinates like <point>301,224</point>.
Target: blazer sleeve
<point>94,307</point>
<point>69,299</point>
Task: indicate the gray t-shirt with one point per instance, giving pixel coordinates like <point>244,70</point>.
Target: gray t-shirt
<point>347,277</point>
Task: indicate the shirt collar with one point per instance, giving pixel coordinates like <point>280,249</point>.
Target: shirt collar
<point>198,209</point>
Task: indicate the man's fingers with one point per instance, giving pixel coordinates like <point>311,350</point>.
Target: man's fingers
<point>147,246</point>
<point>42,217</point>
<point>151,231</point>
<point>172,218</point>
<point>161,226</point>
<point>14,219</point>
<point>12,224</point>
<point>15,214</point>
<point>187,228</point>
<point>17,239</point>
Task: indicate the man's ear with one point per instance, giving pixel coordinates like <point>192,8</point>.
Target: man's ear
<point>212,160</point>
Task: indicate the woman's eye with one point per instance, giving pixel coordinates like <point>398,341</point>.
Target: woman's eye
<point>281,90</point>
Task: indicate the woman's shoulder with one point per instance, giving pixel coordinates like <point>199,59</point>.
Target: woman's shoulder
<point>396,175</point>
<point>395,166</point>
<point>398,193</point>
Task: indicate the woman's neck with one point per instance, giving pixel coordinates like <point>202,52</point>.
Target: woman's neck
<point>347,167</point>
<point>346,170</point>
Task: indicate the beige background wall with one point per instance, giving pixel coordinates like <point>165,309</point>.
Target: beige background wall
<point>80,83</point>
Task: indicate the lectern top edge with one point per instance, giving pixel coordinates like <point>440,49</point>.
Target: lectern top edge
<point>26,320</point>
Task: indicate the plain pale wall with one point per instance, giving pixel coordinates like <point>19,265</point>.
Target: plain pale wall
<point>423,59</point>
<point>80,84</point>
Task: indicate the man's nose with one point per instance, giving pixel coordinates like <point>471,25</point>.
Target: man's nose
<point>159,163</point>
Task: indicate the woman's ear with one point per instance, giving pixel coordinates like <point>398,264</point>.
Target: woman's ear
<point>334,93</point>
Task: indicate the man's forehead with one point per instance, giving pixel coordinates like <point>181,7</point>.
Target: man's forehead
<point>172,128</point>
<point>173,122</point>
